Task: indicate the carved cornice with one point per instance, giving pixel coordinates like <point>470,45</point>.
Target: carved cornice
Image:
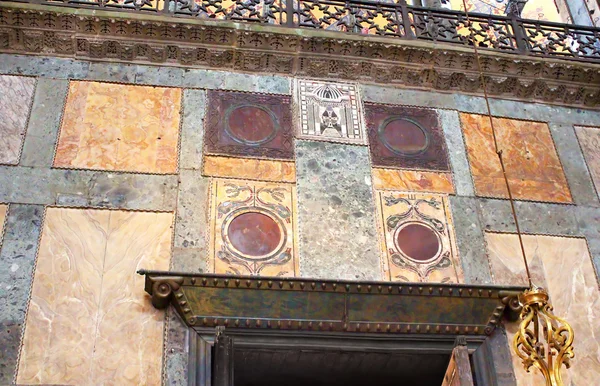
<point>205,300</point>
<point>225,45</point>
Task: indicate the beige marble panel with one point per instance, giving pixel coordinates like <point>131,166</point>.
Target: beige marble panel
<point>120,127</point>
<point>129,341</point>
<point>563,266</point>
<point>3,213</point>
<point>16,94</point>
<point>89,320</point>
<point>63,312</point>
<point>589,139</point>
<point>252,169</point>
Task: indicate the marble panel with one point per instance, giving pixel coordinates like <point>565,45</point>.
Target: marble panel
<point>17,257</point>
<point>532,166</point>
<point>44,122</point>
<point>418,241</point>
<point>589,139</point>
<point>329,111</point>
<point>58,342</point>
<point>457,153</point>
<point>16,94</point>
<point>336,212</point>
<point>249,125</point>
<point>412,180</point>
<point>120,127</point>
<point>250,169</point>
<point>253,229</point>
<point>88,310</point>
<point>406,137</point>
<point>192,129</point>
<point>3,213</point>
<point>129,340</point>
<point>563,266</point>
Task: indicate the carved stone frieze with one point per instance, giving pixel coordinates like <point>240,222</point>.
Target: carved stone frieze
<point>105,35</point>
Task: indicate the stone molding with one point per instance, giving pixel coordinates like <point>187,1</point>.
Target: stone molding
<point>161,40</point>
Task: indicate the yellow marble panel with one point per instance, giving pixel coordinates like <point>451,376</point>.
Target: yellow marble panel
<point>589,139</point>
<point>89,321</point>
<point>532,166</point>
<point>120,127</point>
<point>563,266</point>
<point>418,243</point>
<point>253,229</point>
<point>252,169</point>
<point>58,343</point>
<point>412,181</point>
<point>129,340</point>
<point>3,213</point>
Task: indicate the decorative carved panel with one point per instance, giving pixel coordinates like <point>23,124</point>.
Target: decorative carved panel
<point>406,137</point>
<point>249,125</point>
<point>253,229</point>
<point>329,112</point>
<point>418,243</point>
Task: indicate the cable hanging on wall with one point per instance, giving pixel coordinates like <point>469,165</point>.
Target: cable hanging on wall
<point>543,341</point>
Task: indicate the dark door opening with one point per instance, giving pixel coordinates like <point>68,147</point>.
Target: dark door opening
<point>302,367</point>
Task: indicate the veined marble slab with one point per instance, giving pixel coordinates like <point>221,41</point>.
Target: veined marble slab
<point>16,93</point>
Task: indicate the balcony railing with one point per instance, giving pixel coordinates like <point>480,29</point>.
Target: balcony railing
<point>394,20</point>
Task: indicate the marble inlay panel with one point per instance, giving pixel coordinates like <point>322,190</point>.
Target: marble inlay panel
<point>251,169</point>
<point>16,93</point>
<point>418,238</point>
<point>412,181</point>
<point>406,137</point>
<point>249,125</point>
<point>120,127</point>
<point>589,139</point>
<point>563,266</point>
<point>89,321</point>
<point>58,343</point>
<point>329,112</point>
<point>253,229</point>
<point>532,166</point>
<point>129,341</point>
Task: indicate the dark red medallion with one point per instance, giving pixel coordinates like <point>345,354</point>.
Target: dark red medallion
<point>254,234</point>
<point>418,242</point>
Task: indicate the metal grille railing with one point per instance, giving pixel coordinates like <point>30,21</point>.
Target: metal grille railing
<point>396,20</point>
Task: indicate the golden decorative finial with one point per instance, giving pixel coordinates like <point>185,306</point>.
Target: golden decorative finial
<point>544,340</point>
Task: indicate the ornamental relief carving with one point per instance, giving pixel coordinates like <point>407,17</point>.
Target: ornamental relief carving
<point>341,57</point>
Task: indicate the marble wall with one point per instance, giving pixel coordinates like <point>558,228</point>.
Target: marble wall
<point>15,103</point>
<point>205,171</point>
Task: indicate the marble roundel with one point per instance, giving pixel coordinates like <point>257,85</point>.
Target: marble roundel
<point>403,136</point>
<point>250,124</point>
<point>254,234</point>
<point>418,242</point>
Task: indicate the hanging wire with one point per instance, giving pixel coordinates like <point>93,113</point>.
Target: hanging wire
<point>497,149</point>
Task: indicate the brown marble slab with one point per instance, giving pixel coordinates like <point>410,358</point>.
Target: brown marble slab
<point>412,181</point>
<point>251,169</point>
<point>406,137</point>
<point>249,125</point>
<point>253,229</point>
<point>532,166</point>
<point>589,139</point>
<point>564,267</point>
<point>89,321</point>
<point>120,127</point>
<point>418,242</point>
<point>16,94</point>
